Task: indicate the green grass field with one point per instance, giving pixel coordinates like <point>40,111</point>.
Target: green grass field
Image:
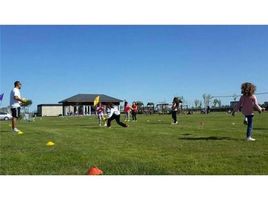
<point>200,145</point>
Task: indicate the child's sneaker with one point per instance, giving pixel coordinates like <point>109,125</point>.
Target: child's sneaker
<point>15,130</point>
<point>250,139</point>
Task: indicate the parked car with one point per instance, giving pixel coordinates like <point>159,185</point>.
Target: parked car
<point>5,116</point>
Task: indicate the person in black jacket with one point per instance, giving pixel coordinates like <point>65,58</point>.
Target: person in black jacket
<point>175,107</point>
<point>114,113</point>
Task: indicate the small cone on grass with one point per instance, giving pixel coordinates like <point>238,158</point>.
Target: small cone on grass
<point>94,171</point>
<point>50,144</point>
<point>202,124</point>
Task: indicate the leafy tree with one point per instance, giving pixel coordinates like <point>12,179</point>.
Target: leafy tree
<point>219,103</point>
<point>215,102</point>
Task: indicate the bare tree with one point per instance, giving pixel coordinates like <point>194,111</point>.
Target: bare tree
<point>200,104</point>
<point>235,96</point>
<point>204,98</point>
<point>196,103</point>
<point>207,99</point>
<point>182,99</point>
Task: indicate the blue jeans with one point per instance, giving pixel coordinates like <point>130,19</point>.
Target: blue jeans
<point>250,125</point>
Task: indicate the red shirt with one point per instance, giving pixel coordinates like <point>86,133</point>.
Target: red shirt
<point>127,108</point>
<point>135,108</point>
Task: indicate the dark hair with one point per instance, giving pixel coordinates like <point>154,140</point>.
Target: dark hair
<point>248,89</point>
<point>125,104</point>
<point>16,83</point>
<point>176,100</point>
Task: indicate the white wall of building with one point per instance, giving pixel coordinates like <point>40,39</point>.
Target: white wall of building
<point>51,111</point>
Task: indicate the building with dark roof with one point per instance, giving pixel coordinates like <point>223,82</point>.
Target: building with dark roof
<point>82,104</point>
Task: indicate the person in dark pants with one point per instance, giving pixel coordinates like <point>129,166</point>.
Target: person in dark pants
<point>134,111</point>
<point>175,108</point>
<point>208,109</point>
<point>174,117</point>
<point>114,114</point>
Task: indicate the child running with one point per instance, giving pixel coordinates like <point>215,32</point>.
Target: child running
<point>134,111</point>
<point>114,113</point>
<point>247,103</point>
<point>127,110</point>
<point>100,114</point>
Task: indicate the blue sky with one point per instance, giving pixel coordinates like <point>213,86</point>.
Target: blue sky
<point>148,63</point>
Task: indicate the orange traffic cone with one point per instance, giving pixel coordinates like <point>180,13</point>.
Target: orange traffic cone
<point>94,171</point>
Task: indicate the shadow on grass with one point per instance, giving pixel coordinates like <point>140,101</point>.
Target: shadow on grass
<point>186,134</point>
<point>87,126</point>
<point>261,129</point>
<point>6,131</point>
<point>157,123</point>
<point>91,128</point>
<point>207,138</point>
<point>75,125</point>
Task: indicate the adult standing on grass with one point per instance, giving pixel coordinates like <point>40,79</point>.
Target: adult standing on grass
<point>134,111</point>
<point>114,113</point>
<point>127,110</point>
<point>15,104</point>
<point>175,108</point>
<point>247,103</point>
